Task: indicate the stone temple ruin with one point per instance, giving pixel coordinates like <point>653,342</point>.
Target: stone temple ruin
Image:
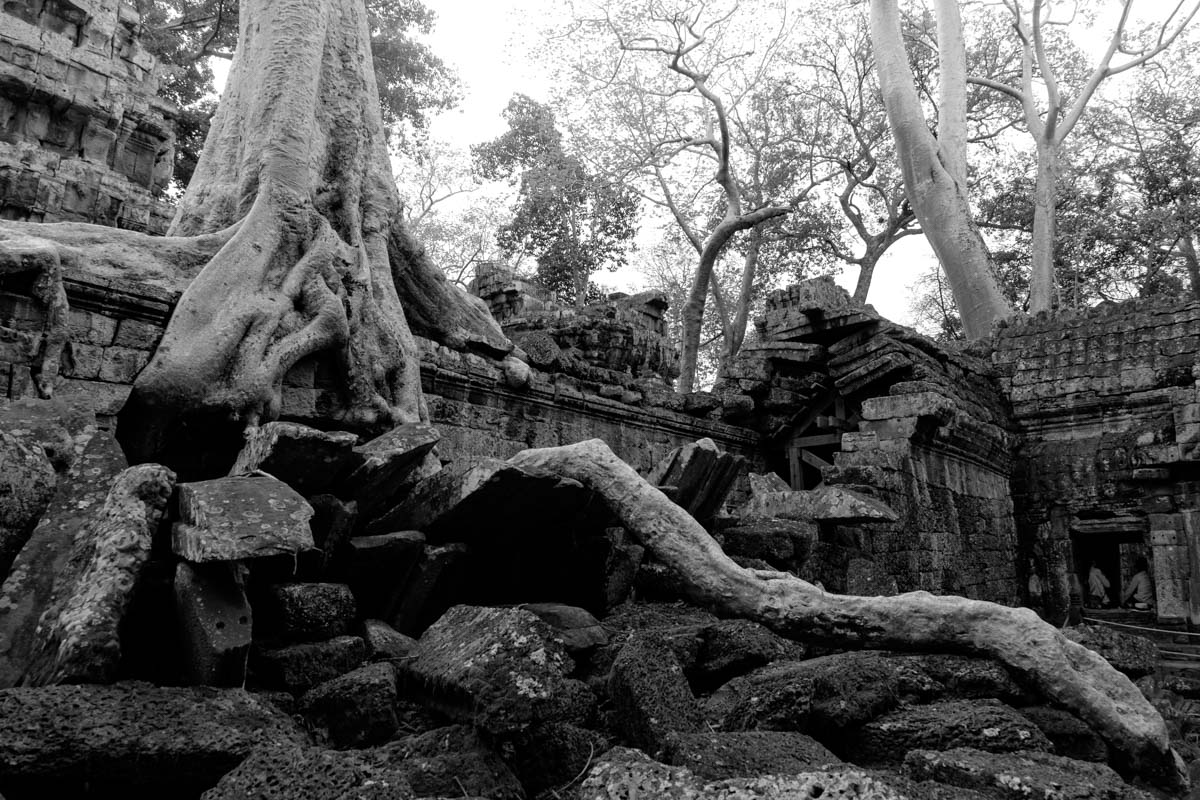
<point>424,612</point>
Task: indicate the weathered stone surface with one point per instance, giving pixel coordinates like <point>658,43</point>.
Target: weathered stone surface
<point>1015,776</point>
<point>60,428</point>
<point>500,668</point>
<point>289,772</point>
<point>578,630</point>
<point>228,519</point>
<point>650,695</point>
<point>552,756</point>
<point>1134,655</point>
<point>450,762</point>
<point>1069,734</point>
<point>332,524</point>
<point>356,708</point>
<point>79,633</point>
<point>377,568</point>
<point>384,642</point>
<point>702,476</point>
<point>826,503</point>
<point>746,754</point>
<point>308,460</point>
<point>732,647</point>
<point>430,589</point>
<point>385,462</point>
<point>463,500</point>
<point>620,770</point>
<point>982,724</point>
<point>28,589</point>
<point>782,543</point>
<point>57,740</point>
<point>216,622</point>
<point>300,667</point>
<point>305,612</point>
<point>27,482</point>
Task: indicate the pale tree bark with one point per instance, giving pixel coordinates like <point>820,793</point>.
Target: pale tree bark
<point>1052,124</point>
<point>1066,673</point>
<point>934,173</point>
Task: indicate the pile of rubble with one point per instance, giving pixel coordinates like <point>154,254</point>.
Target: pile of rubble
<point>339,619</point>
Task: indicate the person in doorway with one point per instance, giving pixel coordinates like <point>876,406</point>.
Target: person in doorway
<point>1098,585</point>
<point>1035,588</point>
<point>1139,593</point>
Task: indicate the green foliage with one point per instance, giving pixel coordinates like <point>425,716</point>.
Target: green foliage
<point>572,221</point>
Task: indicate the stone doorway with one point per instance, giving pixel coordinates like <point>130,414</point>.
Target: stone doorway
<point>816,437</point>
<point>1114,552</point>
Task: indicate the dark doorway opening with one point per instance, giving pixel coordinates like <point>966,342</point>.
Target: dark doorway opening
<point>1114,553</point>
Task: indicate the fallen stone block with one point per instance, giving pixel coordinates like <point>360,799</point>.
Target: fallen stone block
<point>1134,655</point>
<point>981,724</point>
<point>299,667</point>
<point>215,620</point>
<point>29,588</point>
<point>79,634</point>
<point>308,460</point>
<point>288,772</point>
<point>782,543</point>
<point>650,695</point>
<point>384,464</point>
<point>384,642</point>
<point>306,612</point>
<point>377,568</point>
<point>826,503</point>
<point>548,757</point>
<point>27,483</point>
<point>61,429</point>
<point>432,588</point>
<point>229,519</point>
<point>450,762</point>
<point>745,754</point>
<point>332,525</point>
<point>575,627</point>
<point>702,475</point>
<point>75,741</point>
<point>499,668</point>
<point>1013,776</point>
<point>357,709</point>
<point>1071,736</point>
<point>732,647</point>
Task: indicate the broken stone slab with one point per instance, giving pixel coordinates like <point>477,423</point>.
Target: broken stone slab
<point>434,586</point>
<point>981,724</point>
<point>826,503</point>
<point>465,500</point>
<point>499,668</point>
<point>1019,775</point>
<point>28,589</point>
<point>702,475</point>
<point>578,630</point>
<point>84,740</point>
<point>385,462</point>
<point>306,612</point>
<point>378,567</point>
<point>60,428</point>
<point>546,757</point>
<point>650,695</point>
<point>27,483</point>
<point>309,460</point>
<point>451,761</point>
<point>229,519</point>
<point>783,543</point>
<point>290,771</point>
<point>299,667</point>
<point>357,709</point>
<point>79,633</point>
<point>215,621</point>
<point>717,755</point>
<point>1070,735</point>
<point>1134,655</point>
<point>385,642</point>
<point>765,482</point>
<point>332,524</point>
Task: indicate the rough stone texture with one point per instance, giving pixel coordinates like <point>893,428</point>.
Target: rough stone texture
<point>746,754</point>
<point>450,762</point>
<point>57,740</point>
<point>287,772</point>
<point>227,519</point>
<point>650,695</point>
<point>784,544</point>
<point>576,628</point>
<point>305,612</point>
<point>553,756</point>
<point>982,724</point>
<point>84,135</point>
<point>1071,736</point>
<point>377,568</point>
<point>79,633</point>
<point>356,708</point>
<point>61,429</point>
<point>1016,776</point>
<point>702,476</point>
<point>27,482</point>
<point>431,588</point>
<point>1134,655</point>
<point>385,462</point>
<point>215,621</point>
<point>29,588</point>
<point>500,668</point>
<point>384,642</point>
<point>299,667</point>
<point>308,460</point>
<point>823,504</point>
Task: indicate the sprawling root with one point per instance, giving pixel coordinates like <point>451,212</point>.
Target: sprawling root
<point>1066,673</point>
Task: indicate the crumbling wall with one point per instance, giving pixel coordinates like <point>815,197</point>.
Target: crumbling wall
<point>83,136</point>
<point>1105,404</point>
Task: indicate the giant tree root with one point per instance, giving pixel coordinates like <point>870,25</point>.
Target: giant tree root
<point>1066,673</point>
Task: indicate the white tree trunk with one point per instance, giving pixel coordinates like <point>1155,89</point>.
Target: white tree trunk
<point>1045,202</point>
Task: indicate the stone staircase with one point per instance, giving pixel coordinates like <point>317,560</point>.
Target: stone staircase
<point>1179,650</point>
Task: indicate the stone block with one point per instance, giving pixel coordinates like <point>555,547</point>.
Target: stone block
<point>702,475</point>
<point>385,643</point>
<point>720,755</point>
<point>228,519</point>
<point>299,667</point>
<point>1071,736</point>
<point>215,621</point>
<point>1030,774</point>
<point>82,361</point>
<point>826,503</point>
<point>289,771</point>
<point>307,611</point>
<point>122,364</point>
<point>357,709</point>
<point>982,724</point>
<point>103,399</point>
<point>309,460</point>
<point>27,483</point>
<point>385,462</point>
<point>378,568</point>
<point>650,695</point>
<point>575,627</point>
<point>452,761</point>
<point>432,588</point>
<point>139,335</point>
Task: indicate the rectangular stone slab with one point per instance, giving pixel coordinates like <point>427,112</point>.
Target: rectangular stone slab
<point>228,519</point>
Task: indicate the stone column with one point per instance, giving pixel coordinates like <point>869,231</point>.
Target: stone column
<point>1172,567</point>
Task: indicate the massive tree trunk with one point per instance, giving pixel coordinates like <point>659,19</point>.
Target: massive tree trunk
<point>934,169</point>
<point>1045,202</point>
<point>1066,673</point>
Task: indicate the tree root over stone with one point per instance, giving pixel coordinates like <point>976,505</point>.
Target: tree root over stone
<point>1066,673</point>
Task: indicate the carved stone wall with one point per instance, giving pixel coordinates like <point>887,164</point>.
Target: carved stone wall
<point>83,136</point>
<point>1107,407</point>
